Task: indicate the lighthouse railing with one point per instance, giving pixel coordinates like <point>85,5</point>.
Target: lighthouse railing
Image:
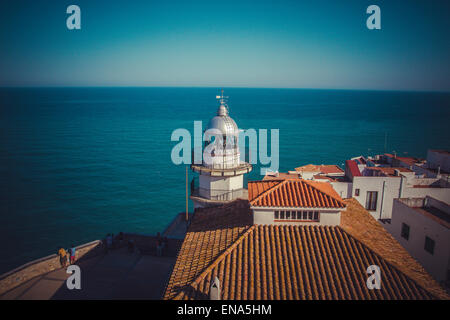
<point>217,194</point>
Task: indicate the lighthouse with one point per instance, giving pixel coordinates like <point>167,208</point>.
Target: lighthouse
<point>221,173</point>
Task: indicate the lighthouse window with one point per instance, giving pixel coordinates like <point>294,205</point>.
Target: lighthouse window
<point>281,214</point>
<point>288,214</point>
<point>277,214</point>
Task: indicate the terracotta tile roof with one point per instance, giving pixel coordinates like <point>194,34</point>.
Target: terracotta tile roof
<point>356,221</point>
<point>307,262</point>
<point>323,168</point>
<point>212,231</point>
<point>353,167</point>
<point>390,171</point>
<point>407,160</point>
<point>255,188</point>
<point>281,176</point>
<point>293,193</point>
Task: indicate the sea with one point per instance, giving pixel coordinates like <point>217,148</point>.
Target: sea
<point>78,163</point>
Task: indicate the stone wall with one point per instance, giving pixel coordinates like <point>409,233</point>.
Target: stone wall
<point>44,265</point>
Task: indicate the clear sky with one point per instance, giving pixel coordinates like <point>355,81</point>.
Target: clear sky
<point>293,44</point>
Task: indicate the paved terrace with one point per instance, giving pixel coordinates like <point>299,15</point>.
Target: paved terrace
<point>116,274</point>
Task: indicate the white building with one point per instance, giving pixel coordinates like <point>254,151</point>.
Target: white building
<point>438,161</point>
<point>375,188</point>
<point>221,171</point>
<point>294,202</point>
<point>422,226</point>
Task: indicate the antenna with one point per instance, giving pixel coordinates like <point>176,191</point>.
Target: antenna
<point>223,100</point>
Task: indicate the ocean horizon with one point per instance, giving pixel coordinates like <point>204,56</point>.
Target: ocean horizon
<point>77,163</point>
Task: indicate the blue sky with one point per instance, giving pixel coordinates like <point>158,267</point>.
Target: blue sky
<point>291,44</point>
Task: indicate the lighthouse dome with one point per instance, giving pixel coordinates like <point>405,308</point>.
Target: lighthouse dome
<point>223,122</point>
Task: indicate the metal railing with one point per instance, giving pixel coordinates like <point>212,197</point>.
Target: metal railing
<point>217,195</point>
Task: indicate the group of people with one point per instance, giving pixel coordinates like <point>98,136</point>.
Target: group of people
<point>113,241</point>
<point>67,257</point>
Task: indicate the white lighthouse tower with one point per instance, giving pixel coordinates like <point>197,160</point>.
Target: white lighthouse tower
<point>221,174</point>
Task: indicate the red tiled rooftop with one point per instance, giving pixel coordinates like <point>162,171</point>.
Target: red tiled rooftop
<point>212,231</point>
<point>389,170</point>
<point>353,167</point>
<point>301,262</point>
<point>407,160</point>
<point>281,176</point>
<point>293,193</point>
<point>323,168</point>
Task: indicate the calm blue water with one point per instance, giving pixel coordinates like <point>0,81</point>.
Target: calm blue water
<point>77,163</point>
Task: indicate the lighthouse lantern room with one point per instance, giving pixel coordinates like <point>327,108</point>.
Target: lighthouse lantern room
<point>221,171</point>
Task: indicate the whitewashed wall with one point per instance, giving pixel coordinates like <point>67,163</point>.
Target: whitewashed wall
<point>421,226</point>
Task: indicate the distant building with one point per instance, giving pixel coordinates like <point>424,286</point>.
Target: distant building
<point>422,226</point>
<point>438,161</point>
<point>294,202</point>
<point>376,182</point>
<point>310,170</point>
<point>281,175</point>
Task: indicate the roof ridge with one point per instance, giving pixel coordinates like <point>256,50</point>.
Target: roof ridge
<point>281,182</point>
<point>218,259</point>
<point>437,295</point>
<point>341,202</point>
<point>288,180</point>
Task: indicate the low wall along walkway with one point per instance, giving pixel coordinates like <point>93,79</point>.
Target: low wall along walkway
<point>42,266</point>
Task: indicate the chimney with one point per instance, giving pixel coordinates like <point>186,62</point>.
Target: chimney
<point>214,291</point>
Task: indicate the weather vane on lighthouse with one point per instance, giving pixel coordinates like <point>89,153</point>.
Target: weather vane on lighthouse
<point>223,100</point>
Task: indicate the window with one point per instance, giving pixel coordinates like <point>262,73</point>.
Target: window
<point>296,215</point>
<point>371,200</point>
<point>356,192</point>
<point>405,231</point>
<point>316,216</point>
<point>429,245</point>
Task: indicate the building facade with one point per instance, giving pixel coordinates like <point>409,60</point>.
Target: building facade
<point>422,226</point>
